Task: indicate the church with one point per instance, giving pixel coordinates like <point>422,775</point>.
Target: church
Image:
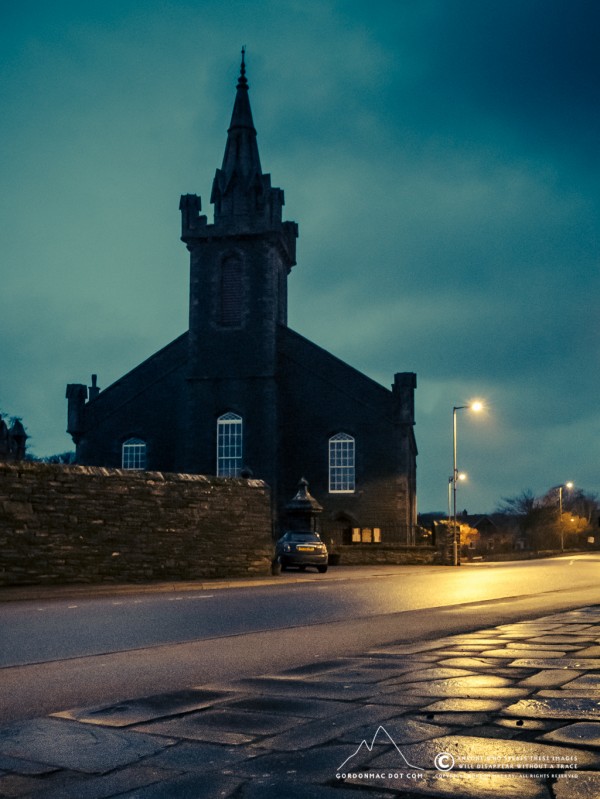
<point>241,394</point>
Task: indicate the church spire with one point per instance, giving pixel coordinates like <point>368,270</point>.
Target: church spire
<point>241,194</point>
<point>241,152</point>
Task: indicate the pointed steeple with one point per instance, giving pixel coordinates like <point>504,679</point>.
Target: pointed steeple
<point>241,194</point>
<point>241,157</point>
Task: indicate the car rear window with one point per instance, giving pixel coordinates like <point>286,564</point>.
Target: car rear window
<point>303,537</point>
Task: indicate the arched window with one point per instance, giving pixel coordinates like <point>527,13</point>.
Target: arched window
<point>134,454</point>
<point>231,291</point>
<point>341,464</point>
<point>229,445</point>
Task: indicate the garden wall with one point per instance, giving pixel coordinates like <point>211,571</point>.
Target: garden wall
<point>83,524</point>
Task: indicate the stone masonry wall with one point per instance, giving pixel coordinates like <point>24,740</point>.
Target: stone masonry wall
<point>377,554</point>
<point>82,524</point>
<point>439,554</point>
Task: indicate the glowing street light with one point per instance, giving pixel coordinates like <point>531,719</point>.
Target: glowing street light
<point>475,406</point>
<point>460,476</point>
<point>568,485</point>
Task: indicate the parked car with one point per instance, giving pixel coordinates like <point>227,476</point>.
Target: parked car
<point>301,548</point>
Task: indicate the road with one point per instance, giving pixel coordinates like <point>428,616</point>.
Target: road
<point>64,652</point>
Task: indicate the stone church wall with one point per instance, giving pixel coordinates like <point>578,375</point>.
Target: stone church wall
<point>78,524</point>
<point>322,396</point>
<point>147,403</point>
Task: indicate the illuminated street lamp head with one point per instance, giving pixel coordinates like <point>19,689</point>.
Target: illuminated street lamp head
<point>569,485</point>
<point>461,476</point>
<point>474,405</point>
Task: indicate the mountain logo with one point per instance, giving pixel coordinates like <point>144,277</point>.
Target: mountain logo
<point>381,736</point>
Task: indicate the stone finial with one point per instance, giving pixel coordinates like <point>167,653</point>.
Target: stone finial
<point>93,390</point>
<point>303,509</point>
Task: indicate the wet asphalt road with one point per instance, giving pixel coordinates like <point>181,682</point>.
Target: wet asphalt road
<point>49,630</point>
<point>59,653</point>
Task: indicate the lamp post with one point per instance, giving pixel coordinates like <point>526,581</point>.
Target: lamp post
<point>460,476</point>
<point>473,406</point>
<point>560,514</point>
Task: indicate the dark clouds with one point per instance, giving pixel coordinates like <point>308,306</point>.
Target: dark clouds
<point>440,156</point>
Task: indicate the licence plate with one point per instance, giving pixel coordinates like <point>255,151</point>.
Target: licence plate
<point>305,549</point>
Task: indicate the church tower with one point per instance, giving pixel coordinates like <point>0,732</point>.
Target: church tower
<point>238,301</point>
<point>241,393</point>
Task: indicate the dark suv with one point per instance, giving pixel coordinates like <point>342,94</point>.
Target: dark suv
<point>301,548</point>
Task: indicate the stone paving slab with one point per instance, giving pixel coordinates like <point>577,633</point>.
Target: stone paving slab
<point>148,708</point>
<point>555,708</point>
<point>467,705</point>
<point>324,730</point>
<point>591,681</point>
<point>460,786</point>
<point>420,647</point>
<point>384,694</point>
<point>573,693</point>
<point>514,652</point>
<point>24,766</point>
<point>403,729</point>
<point>457,720</point>
<point>275,686</point>
<point>527,724</point>
<point>586,733</point>
<point>20,785</point>
<point>304,708</point>
<point>303,766</point>
<point>431,674</point>
<point>225,726</point>
<point>75,746</point>
<point>107,785</point>
<point>558,663</point>
<point>469,752</point>
<point>188,786</point>
<point>474,663</point>
<point>572,641</point>
<point>442,718</point>
<point>465,691</point>
<point>267,788</point>
<point>586,786</point>
<point>549,678</point>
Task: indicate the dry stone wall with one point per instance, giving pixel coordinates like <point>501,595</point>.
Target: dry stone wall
<point>82,524</point>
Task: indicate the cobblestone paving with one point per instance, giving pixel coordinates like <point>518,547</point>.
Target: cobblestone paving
<point>512,711</point>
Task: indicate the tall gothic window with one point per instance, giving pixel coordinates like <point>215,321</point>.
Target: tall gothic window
<point>341,464</point>
<point>231,292</point>
<point>229,445</point>
<point>133,454</point>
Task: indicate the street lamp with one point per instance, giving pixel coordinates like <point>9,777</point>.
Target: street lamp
<point>476,406</point>
<point>460,476</point>
<point>568,485</point>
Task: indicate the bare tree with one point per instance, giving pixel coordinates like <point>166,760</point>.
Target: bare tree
<point>535,519</point>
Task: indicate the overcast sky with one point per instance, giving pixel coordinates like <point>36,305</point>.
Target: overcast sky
<point>440,156</point>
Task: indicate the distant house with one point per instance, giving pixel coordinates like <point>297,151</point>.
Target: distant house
<point>489,534</point>
<point>240,392</point>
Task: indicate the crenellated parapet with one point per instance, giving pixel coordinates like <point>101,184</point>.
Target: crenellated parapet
<point>190,206</point>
